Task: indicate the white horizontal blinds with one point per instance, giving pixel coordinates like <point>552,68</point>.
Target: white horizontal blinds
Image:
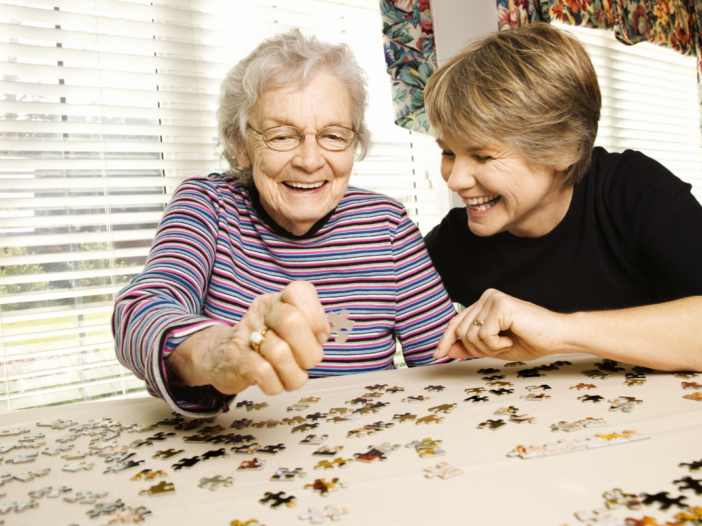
<point>106,106</point>
<point>650,102</point>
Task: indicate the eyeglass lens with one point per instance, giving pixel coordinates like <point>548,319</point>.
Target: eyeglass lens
<point>283,138</point>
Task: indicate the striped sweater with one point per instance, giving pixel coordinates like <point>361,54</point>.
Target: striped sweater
<point>216,249</point>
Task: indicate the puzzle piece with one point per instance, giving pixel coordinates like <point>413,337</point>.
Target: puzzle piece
<point>251,522</point>
<point>395,390</point>
<point>241,424</point>
<point>130,515</point>
<point>162,488</point>
<point>376,453</point>
<point>49,492</point>
<point>414,399</point>
<point>616,498</point>
<point>431,419</point>
<point>288,475</point>
<point>105,508</point>
<point>119,457</point>
<point>78,466</point>
<point>317,416</point>
<point>13,432</point>
<point>692,466</point>
<point>596,399</point>
<point>328,450</point>
<point>249,449</point>
<point>148,474</point>
<point>361,432</point>
<point>252,465</point>
<point>317,516</point>
<point>609,366</point>
<point>297,407</point>
<point>219,453</point>
<point>313,440</point>
<point>694,396</point>
<point>245,404</point>
<point>278,499</point>
<point>689,483</point>
<point>691,385</point>
<point>372,395</point>
<point>664,502</point>
<point>266,423</point>
<point>323,487</point>
<point>443,408</point>
<point>475,398</point>
<point>339,321</point>
<point>215,482</point>
<point>304,427</point>
<point>489,370</point>
<point>515,364</point>
<point>186,463</point>
<point>359,400</point>
<point>120,467</point>
<point>542,387</point>
<point>493,378</point>
<point>338,411</point>
<point>520,419</point>
<point>492,424</point>
<point>475,390</point>
<point>326,464</point>
<point>511,410</point>
<point>168,453</point>
<point>443,470</point>
<point>623,403</point>
<point>257,407</point>
<point>501,392</point>
<point>31,475</point>
<point>531,397</point>
<point>434,388</point>
<point>378,387</point>
<point>85,497</point>
<point>529,373</point>
<point>23,459</point>
<point>271,450</point>
<point>583,386</point>
<point>579,424</point>
<point>404,418</point>
<point>596,374</point>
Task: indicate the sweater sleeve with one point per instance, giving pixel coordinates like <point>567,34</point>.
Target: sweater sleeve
<point>162,305</point>
<point>423,306</point>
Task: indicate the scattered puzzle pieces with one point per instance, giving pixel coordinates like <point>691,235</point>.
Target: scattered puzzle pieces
<point>579,424</point>
<point>664,502</point>
<point>430,419</point>
<point>583,386</point>
<point>314,440</point>
<point>148,474</point>
<point>617,498</point>
<point>186,463</point>
<point>443,408</point>
<point>254,465</point>
<point>288,475</point>
<point>413,399</point>
<point>566,446</point>
<point>317,515</point>
<point>492,424</point>
<point>340,462</point>
<point>323,487</point>
<point>404,418</point>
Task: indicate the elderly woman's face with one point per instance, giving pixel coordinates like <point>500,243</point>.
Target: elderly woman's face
<point>503,191</point>
<point>301,186</point>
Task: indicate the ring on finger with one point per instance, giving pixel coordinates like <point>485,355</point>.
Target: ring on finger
<point>257,338</point>
<point>477,322</point>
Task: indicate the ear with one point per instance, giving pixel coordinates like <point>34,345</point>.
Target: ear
<point>561,167</point>
<point>242,158</point>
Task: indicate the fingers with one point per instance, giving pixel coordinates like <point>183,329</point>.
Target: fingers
<point>450,336</point>
<point>284,371</point>
<point>303,295</point>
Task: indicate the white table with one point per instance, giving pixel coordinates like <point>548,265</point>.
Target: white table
<point>494,489</point>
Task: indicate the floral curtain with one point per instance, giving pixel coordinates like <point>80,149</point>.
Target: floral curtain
<point>675,24</point>
<point>410,56</point>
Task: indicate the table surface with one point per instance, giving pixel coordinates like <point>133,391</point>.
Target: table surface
<point>494,488</point>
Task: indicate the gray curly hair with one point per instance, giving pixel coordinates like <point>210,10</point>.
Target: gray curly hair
<point>285,59</point>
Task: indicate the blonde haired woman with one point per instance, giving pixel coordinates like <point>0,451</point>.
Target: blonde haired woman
<point>561,247</point>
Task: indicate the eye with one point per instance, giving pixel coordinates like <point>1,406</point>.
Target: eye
<point>483,159</point>
<point>446,153</point>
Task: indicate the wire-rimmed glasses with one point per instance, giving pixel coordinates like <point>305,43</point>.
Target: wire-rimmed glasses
<point>286,138</point>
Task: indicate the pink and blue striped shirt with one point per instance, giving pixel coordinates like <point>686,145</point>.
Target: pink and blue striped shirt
<point>216,249</point>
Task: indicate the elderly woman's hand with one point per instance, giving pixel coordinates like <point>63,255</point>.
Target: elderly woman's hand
<point>223,357</point>
<point>500,326</point>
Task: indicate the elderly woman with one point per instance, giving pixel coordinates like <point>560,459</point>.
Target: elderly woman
<point>561,247</point>
<point>246,266</point>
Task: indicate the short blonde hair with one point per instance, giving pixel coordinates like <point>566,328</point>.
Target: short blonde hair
<point>287,59</point>
<point>531,88</point>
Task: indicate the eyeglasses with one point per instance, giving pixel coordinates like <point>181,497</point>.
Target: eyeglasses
<point>286,138</point>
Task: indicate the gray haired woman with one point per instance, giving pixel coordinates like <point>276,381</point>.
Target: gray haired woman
<point>561,247</point>
<point>247,267</point>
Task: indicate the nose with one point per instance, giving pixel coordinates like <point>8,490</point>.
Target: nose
<point>460,175</point>
<point>309,155</point>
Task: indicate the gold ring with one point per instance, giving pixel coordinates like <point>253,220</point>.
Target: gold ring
<point>257,338</point>
<point>477,322</point>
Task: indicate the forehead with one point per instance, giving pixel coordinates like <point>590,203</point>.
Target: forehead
<point>463,142</point>
<point>323,101</point>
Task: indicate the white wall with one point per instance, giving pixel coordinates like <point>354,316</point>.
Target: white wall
<point>455,23</point>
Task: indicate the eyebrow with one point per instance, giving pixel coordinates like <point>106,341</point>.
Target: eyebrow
<point>471,149</point>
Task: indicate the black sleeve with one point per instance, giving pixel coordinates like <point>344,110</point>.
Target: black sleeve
<point>440,245</point>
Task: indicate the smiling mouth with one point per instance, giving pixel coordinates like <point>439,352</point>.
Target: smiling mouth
<point>481,204</point>
<point>304,186</point>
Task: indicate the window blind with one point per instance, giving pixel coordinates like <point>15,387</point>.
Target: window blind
<point>649,102</point>
<point>107,105</point>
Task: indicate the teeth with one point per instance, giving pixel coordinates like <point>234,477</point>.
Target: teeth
<point>474,201</point>
<point>303,186</point>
